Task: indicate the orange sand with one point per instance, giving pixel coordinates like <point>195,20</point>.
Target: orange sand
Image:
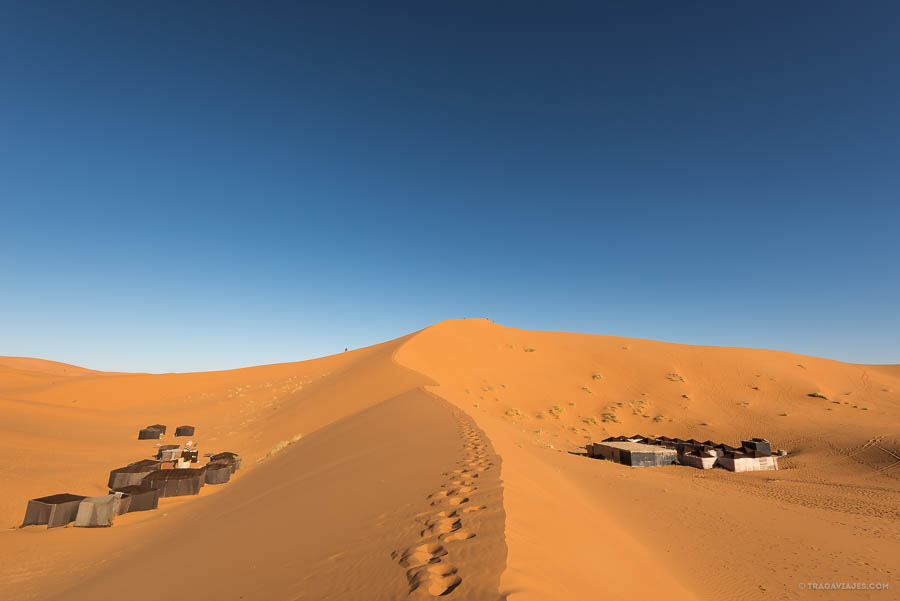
<point>437,464</point>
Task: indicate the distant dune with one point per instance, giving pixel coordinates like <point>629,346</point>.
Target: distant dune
<point>439,464</point>
<point>51,368</point>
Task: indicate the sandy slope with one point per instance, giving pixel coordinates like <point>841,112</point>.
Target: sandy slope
<point>576,525</point>
<point>390,485</point>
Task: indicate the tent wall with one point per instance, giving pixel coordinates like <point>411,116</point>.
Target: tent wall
<point>124,504</point>
<point>145,501</point>
<point>149,434</point>
<point>140,498</point>
<point>62,514</point>
<point>97,512</point>
<point>218,473</point>
<point>169,454</point>
<point>127,476</point>
<point>37,513</point>
<point>184,431</point>
<point>55,510</point>
<point>176,483</point>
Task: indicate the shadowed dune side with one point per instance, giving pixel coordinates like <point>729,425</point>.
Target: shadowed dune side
<point>579,528</point>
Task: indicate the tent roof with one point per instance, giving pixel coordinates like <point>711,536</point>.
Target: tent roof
<point>60,498</point>
<point>145,465</point>
<point>178,474</point>
<point>134,489</point>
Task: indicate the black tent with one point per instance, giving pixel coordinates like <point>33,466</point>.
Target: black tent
<point>149,434</point>
<point>160,427</point>
<point>132,474</point>
<point>192,455</point>
<point>184,431</point>
<point>138,498</point>
<point>218,473</point>
<point>55,510</point>
<point>757,444</point>
<point>177,482</point>
<point>227,457</point>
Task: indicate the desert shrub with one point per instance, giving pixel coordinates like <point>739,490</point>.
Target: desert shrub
<point>280,447</point>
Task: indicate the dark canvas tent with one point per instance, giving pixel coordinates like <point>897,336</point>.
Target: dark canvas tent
<point>218,473</point>
<point>97,512</point>
<point>55,510</point>
<point>159,427</point>
<point>228,457</point>
<point>136,498</point>
<point>192,455</point>
<point>184,431</point>
<point>176,483</point>
<point>132,474</point>
<point>169,452</point>
<point>149,434</point>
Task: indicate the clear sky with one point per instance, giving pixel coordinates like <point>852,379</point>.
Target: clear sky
<point>200,185</point>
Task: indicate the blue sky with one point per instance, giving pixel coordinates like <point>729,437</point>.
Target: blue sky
<point>192,185</point>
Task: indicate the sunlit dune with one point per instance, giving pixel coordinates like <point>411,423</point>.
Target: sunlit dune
<point>448,463</point>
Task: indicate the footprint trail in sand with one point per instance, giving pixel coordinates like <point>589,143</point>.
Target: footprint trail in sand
<point>428,563</point>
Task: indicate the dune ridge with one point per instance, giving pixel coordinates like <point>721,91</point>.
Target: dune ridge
<point>467,425</point>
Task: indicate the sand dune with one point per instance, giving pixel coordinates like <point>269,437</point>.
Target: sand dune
<point>437,464</point>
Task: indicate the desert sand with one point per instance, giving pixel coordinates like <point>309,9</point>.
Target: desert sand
<point>447,463</point>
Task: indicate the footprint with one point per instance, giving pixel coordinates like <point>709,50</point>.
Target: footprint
<point>458,500</point>
<point>441,526</point>
<point>439,579</point>
<point>471,508</point>
<point>456,535</point>
<point>419,555</point>
<point>437,495</point>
